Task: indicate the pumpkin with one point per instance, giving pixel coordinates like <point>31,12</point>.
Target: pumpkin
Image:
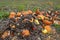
<point>36,22</point>
<point>12,26</point>
<point>47,22</point>
<point>37,11</point>
<point>44,31</point>
<point>46,18</point>
<point>40,17</point>
<point>25,32</point>
<point>12,15</point>
<point>18,14</point>
<point>17,18</point>
<point>24,13</point>
<point>29,11</point>
<point>5,34</point>
<point>32,19</point>
<point>48,28</point>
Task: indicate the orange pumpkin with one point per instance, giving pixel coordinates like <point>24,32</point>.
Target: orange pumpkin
<point>18,14</point>
<point>47,22</point>
<point>48,28</point>
<point>12,15</point>
<point>17,18</point>
<point>37,11</point>
<point>25,13</point>
<point>5,34</point>
<point>25,32</point>
<point>29,11</point>
<point>40,16</point>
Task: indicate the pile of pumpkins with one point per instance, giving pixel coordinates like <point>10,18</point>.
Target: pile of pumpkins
<point>39,15</point>
<point>37,18</point>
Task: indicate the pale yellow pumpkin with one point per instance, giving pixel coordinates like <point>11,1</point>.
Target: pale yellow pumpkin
<point>48,28</point>
<point>44,31</point>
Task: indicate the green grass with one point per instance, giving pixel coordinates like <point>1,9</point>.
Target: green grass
<point>28,4</point>
<point>57,27</point>
<point>4,14</point>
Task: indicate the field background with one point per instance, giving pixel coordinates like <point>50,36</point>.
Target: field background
<point>17,5</point>
<point>30,4</point>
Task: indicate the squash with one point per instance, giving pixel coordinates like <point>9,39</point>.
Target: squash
<point>24,13</point>
<point>41,17</point>
<point>5,34</point>
<point>47,22</point>
<point>32,19</point>
<point>37,11</point>
<point>44,31</point>
<point>18,14</point>
<point>36,22</point>
<point>48,28</point>
<point>30,12</point>
<point>25,32</point>
<point>12,26</point>
<point>12,15</point>
<point>17,18</point>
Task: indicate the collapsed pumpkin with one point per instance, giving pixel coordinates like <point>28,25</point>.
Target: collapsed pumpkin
<point>24,13</point>
<point>13,26</point>
<point>5,34</point>
<point>48,28</point>
<point>37,11</point>
<point>40,17</point>
<point>36,22</point>
<point>18,14</point>
<point>47,22</point>
<point>44,31</point>
<point>17,18</point>
<point>30,12</point>
<point>25,32</point>
<point>12,15</point>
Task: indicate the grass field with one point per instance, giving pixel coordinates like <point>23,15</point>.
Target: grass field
<point>29,4</point>
<point>10,5</point>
